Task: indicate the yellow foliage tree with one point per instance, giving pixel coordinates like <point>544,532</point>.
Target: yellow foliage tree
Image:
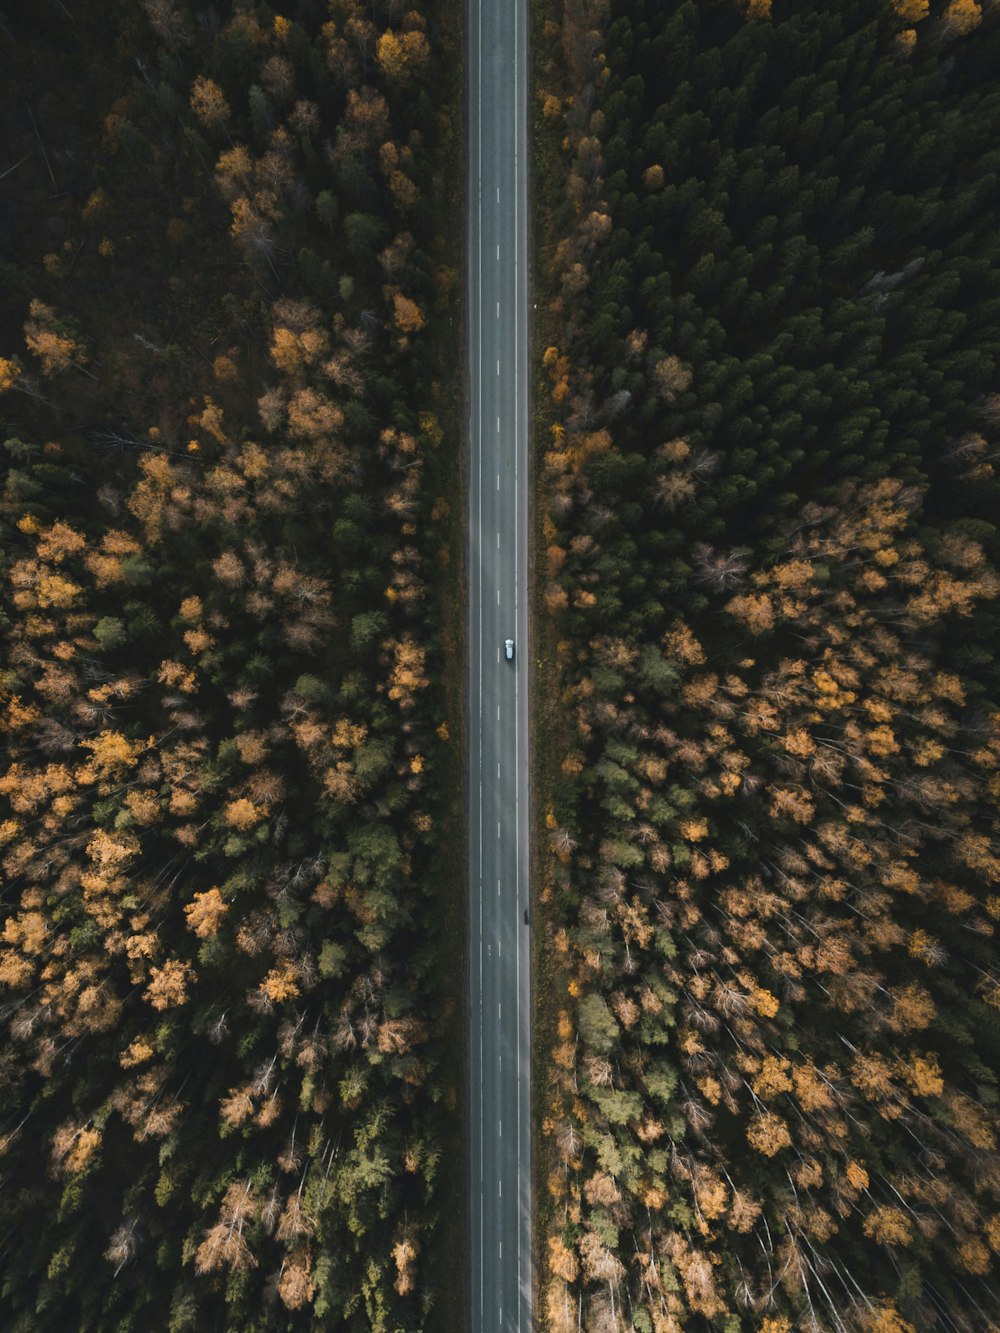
<point>10,373</point>
<point>774,1077</point>
<point>295,1286</point>
<point>923,1074</point>
<point>242,814</point>
<point>280,984</point>
<point>208,102</point>
<point>59,541</point>
<point>74,1146</point>
<point>888,1225</point>
<point>562,1260</point>
<point>205,913</point>
<point>768,1134</point>
<point>168,984</point>
<point>111,755</point>
<point>404,1254</point>
<point>55,349</point>
<point>911,11</point>
<point>407,315</point>
<point>401,55</point>
<point>407,675</point>
<point>224,1244</point>
<point>887,1319</point>
<point>137,1052</point>
<point>962,16</point>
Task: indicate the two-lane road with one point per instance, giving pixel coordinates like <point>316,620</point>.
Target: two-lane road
<point>499,974</point>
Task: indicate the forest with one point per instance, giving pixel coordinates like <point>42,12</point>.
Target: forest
<point>769,340</point>
<point>228,281</point>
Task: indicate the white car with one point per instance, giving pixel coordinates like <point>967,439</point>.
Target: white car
<point>508,647</point>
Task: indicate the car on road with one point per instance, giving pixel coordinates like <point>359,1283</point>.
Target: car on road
<point>508,647</point>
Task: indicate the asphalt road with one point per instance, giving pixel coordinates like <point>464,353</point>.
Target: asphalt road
<point>499,973</point>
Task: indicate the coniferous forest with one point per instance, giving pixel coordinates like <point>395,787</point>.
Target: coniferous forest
<point>226,296</point>
<point>771,362</point>
<point>768,609</point>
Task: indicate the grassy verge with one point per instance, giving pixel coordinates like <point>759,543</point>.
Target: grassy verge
<point>447,479</point>
<point>549,739</point>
